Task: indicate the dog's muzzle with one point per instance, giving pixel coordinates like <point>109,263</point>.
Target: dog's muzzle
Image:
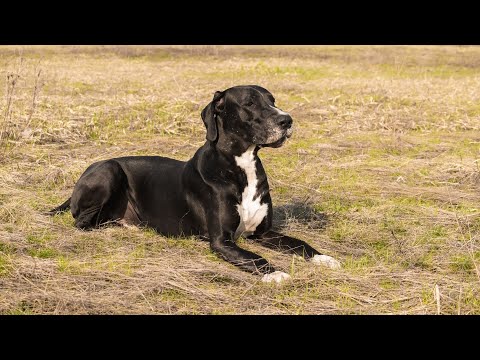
<point>280,131</point>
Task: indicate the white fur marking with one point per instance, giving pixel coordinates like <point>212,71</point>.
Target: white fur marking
<point>326,261</point>
<point>250,210</point>
<point>280,112</point>
<point>277,276</point>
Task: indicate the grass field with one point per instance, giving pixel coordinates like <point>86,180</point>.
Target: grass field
<point>382,172</point>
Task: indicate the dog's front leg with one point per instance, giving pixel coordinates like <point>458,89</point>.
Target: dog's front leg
<point>221,231</point>
<point>244,259</point>
<point>278,241</point>
<point>222,224</point>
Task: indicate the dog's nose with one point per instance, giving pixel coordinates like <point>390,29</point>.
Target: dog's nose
<point>285,121</point>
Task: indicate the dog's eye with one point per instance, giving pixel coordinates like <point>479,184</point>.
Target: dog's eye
<point>250,103</point>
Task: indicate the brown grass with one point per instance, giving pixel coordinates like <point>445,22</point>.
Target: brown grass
<point>383,172</point>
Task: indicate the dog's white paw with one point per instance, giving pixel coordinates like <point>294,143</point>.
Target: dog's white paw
<point>277,276</point>
<point>326,261</point>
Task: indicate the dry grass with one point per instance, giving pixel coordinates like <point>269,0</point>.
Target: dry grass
<point>383,172</point>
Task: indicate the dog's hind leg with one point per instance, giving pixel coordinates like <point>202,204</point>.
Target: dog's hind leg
<point>100,195</point>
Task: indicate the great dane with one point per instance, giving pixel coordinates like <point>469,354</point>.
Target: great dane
<point>220,194</point>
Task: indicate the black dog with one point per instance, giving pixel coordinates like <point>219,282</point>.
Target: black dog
<point>219,194</point>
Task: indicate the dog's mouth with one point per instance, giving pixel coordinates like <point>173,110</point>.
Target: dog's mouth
<point>286,135</point>
<point>289,132</point>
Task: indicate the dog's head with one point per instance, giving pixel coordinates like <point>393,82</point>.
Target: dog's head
<point>247,113</point>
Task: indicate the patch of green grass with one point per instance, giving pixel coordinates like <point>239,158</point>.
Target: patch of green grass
<point>287,164</point>
<point>281,190</point>
<point>81,88</point>
<point>412,71</point>
<point>9,228</point>
<point>344,302</point>
<point>405,202</point>
<point>471,299</point>
<point>288,297</point>
<point>433,236</point>
<point>397,227</point>
<point>303,144</point>
<point>149,233</point>
<point>139,252</point>
<point>438,231</point>
<point>42,238</point>
<point>336,205</point>
<point>359,263</point>
<point>172,295</point>
<point>474,225</point>
<point>62,263</point>
<point>144,120</point>
<point>66,219</point>
<point>384,153</point>
<point>425,261</point>
<point>22,309</point>
<point>473,109</point>
<point>388,284</point>
<point>43,253</point>
<point>422,150</point>
<point>264,69</point>
<point>12,215</point>
<point>426,296</point>
<point>306,74</point>
<point>340,231</point>
<point>211,256</point>
<point>341,204</point>
<point>347,176</point>
<point>294,98</point>
<point>4,264</point>
<point>190,243</point>
<point>466,148</point>
<point>446,71</point>
<point>462,208</point>
<point>72,266</point>
<point>414,201</point>
<point>464,263</point>
<point>109,263</point>
<point>382,249</point>
<point>6,248</point>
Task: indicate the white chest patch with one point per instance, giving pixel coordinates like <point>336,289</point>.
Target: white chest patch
<point>250,210</point>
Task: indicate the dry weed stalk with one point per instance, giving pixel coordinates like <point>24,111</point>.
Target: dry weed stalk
<point>36,90</point>
<point>12,78</point>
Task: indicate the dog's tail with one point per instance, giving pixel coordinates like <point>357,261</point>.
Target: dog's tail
<point>61,208</point>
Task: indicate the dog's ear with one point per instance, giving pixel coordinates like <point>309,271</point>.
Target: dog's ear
<point>209,115</point>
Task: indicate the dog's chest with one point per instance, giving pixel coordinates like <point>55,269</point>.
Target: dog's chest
<point>251,211</point>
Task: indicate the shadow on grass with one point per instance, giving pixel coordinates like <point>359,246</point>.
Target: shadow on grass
<point>285,215</point>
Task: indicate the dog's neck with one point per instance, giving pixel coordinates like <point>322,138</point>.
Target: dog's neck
<point>231,146</point>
